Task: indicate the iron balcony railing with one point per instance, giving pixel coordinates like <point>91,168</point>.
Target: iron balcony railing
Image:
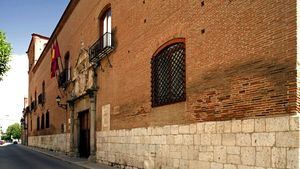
<point>41,99</point>
<point>27,109</point>
<point>63,78</point>
<point>32,106</point>
<point>102,47</point>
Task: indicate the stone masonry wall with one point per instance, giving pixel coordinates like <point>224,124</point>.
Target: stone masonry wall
<point>263,143</point>
<point>56,142</point>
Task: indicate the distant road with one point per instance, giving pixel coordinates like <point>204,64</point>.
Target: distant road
<point>18,157</point>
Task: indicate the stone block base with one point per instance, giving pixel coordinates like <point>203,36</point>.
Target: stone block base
<point>55,142</point>
<point>263,143</point>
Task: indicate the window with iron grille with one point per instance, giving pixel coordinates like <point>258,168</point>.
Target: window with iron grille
<point>43,93</point>
<point>168,75</point>
<point>35,100</point>
<point>32,106</point>
<point>41,99</point>
<point>47,120</point>
<point>37,123</point>
<point>43,122</point>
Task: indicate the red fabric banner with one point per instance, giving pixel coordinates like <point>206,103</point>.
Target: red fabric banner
<point>55,54</point>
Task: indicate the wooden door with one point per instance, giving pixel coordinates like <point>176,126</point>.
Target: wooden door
<point>84,142</point>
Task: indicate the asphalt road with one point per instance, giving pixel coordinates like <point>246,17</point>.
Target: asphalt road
<point>19,157</point>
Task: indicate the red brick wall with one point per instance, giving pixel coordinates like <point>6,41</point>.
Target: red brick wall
<point>57,115</point>
<point>240,59</point>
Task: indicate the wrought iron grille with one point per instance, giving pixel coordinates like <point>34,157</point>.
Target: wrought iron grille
<point>47,120</point>
<point>63,78</point>
<point>43,121</point>
<point>102,47</point>
<point>27,109</point>
<point>168,75</point>
<point>41,99</point>
<point>37,123</point>
<point>32,106</point>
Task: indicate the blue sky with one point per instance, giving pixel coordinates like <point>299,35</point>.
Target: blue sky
<point>19,19</point>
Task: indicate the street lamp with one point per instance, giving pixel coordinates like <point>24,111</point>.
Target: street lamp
<point>58,100</point>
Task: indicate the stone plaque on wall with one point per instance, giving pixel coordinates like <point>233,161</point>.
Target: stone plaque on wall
<point>106,117</point>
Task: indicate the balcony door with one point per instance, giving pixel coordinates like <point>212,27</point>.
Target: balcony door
<point>106,29</point>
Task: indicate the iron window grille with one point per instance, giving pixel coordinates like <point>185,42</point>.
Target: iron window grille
<point>101,48</point>
<point>42,121</point>
<point>27,109</point>
<point>37,123</point>
<point>168,75</point>
<point>63,78</point>
<point>32,106</point>
<point>47,120</point>
<point>62,128</point>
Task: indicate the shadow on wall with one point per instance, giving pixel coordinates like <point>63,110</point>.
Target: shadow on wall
<point>253,88</point>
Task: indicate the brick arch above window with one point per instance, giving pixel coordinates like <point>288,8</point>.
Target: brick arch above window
<point>168,43</point>
<point>104,10</point>
<point>101,16</point>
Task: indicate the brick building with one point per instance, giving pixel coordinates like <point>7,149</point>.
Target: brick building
<point>170,84</point>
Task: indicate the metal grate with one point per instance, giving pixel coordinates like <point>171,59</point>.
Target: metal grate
<point>47,120</point>
<point>27,109</point>
<point>63,78</point>
<point>32,106</point>
<point>168,75</point>
<point>41,99</point>
<point>38,123</point>
<point>102,47</point>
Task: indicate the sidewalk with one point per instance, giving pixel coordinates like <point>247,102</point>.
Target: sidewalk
<point>82,162</point>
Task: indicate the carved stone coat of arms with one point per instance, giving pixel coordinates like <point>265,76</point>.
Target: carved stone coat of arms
<point>83,74</point>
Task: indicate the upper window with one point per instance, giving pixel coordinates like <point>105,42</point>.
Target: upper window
<point>168,74</point>
<point>67,66</point>
<point>106,28</point>
<point>105,44</point>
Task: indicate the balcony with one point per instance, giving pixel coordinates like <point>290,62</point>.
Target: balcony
<point>41,99</point>
<point>32,106</point>
<point>63,78</point>
<point>101,48</point>
<point>27,109</point>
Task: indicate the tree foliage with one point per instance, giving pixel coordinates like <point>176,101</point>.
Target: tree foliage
<point>6,138</point>
<point>14,131</point>
<point>5,54</point>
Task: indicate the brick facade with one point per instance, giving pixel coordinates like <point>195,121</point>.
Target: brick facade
<point>240,62</point>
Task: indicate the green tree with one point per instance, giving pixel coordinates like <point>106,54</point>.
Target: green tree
<point>14,131</point>
<point>6,138</point>
<point>5,54</point>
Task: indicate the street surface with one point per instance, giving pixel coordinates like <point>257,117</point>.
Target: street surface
<point>19,157</point>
